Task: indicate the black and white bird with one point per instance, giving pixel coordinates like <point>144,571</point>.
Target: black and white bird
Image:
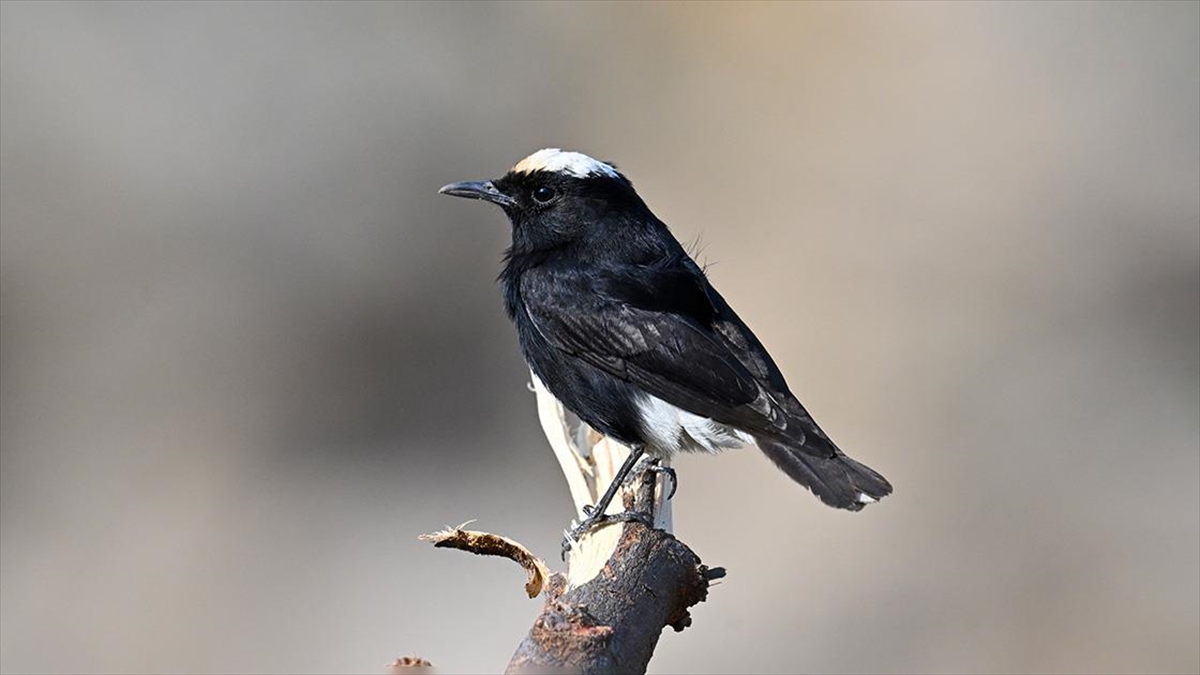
<point>624,329</point>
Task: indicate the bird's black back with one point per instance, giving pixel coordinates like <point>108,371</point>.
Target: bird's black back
<point>609,307</point>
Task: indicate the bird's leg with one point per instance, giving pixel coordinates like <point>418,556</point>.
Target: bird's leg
<point>595,514</point>
<point>597,511</point>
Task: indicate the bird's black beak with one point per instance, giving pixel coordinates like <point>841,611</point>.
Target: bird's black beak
<point>484,190</point>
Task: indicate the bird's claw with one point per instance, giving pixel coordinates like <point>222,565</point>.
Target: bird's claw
<point>594,520</point>
<point>667,471</point>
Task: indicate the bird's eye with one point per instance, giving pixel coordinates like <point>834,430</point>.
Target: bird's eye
<point>543,195</point>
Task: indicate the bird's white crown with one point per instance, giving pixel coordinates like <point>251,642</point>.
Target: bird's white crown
<point>572,163</point>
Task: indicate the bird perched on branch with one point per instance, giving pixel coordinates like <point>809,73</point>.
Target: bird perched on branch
<point>623,327</point>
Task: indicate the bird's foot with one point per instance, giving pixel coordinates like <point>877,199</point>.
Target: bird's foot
<point>595,520</point>
<point>669,472</point>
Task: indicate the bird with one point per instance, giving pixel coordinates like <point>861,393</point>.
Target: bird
<point>624,328</point>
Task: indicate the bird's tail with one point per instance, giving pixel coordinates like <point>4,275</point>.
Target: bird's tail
<point>838,481</point>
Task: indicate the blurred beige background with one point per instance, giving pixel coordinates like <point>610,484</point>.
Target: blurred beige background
<point>248,353</point>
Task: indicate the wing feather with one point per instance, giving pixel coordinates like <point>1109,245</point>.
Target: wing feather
<point>670,354</point>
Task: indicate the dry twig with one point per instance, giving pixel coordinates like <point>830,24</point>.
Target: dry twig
<point>486,543</point>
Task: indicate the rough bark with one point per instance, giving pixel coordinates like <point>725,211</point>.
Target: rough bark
<point>625,581</point>
<point>612,623</point>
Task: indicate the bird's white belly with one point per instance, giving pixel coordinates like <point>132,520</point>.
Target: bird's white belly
<point>671,429</point>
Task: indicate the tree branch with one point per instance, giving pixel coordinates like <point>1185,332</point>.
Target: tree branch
<point>612,623</point>
<point>625,581</point>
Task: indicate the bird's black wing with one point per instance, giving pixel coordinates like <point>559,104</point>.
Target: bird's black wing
<point>651,326</point>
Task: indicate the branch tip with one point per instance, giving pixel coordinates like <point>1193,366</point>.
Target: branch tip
<point>486,543</point>
<point>408,664</point>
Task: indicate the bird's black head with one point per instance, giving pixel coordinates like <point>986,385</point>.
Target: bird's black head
<point>557,199</point>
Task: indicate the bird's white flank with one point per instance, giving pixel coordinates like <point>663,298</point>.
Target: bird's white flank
<point>670,430</point>
<point>572,163</point>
